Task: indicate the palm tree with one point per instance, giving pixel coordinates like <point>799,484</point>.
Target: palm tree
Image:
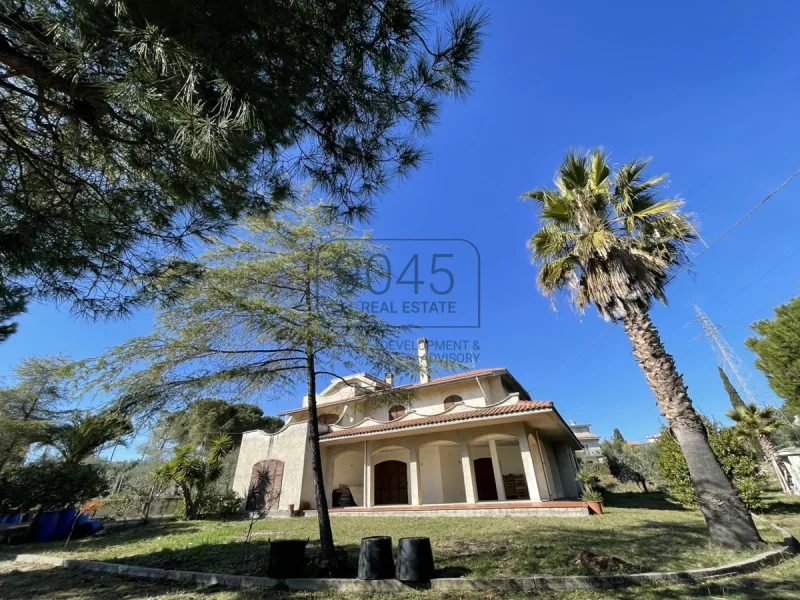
<point>608,240</point>
<point>758,423</point>
<point>194,473</point>
<point>88,434</point>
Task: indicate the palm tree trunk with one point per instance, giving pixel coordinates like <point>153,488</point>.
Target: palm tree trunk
<point>769,454</point>
<point>727,518</point>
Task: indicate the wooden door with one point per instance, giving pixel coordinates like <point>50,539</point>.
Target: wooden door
<point>265,485</point>
<point>391,482</point>
<point>484,479</point>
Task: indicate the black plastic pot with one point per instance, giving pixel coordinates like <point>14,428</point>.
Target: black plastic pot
<point>375,560</point>
<point>414,559</point>
<point>287,558</point>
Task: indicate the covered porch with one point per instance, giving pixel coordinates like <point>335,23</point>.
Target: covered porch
<point>523,462</point>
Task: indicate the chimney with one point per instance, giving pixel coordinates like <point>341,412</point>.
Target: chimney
<point>390,379</point>
<point>422,354</point>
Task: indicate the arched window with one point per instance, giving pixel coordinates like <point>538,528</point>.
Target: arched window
<point>451,401</point>
<point>397,411</point>
<point>327,418</point>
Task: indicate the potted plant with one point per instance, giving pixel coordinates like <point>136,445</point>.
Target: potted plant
<point>594,499</point>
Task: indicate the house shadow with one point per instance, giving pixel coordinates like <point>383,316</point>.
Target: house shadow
<point>111,537</point>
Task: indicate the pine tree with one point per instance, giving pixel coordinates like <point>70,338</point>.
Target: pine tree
<point>777,347</point>
<point>277,307</point>
<point>733,394</point>
<point>131,128</point>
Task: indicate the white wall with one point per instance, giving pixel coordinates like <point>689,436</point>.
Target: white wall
<point>287,445</point>
<point>348,469</point>
<point>452,475</point>
<point>510,460</point>
<point>566,470</point>
<point>431,475</point>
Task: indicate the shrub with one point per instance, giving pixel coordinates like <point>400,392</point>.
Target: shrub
<point>50,485</point>
<point>597,476</point>
<point>631,464</point>
<point>739,460</point>
<point>221,504</point>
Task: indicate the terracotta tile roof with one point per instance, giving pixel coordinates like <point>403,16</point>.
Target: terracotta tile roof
<point>435,381</point>
<point>520,407</point>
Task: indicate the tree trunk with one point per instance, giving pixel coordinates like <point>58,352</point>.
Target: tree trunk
<point>769,454</point>
<point>323,518</point>
<point>727,518</point>
<point>188,509</point>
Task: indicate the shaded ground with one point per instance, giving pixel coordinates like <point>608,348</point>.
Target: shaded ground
<point>18,582</point>
<point>638,533</point>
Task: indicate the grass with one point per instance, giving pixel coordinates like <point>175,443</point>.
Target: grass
<point>645,532</point>
<point>20,582</point>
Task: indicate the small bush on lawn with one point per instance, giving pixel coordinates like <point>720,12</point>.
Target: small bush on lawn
<point>739,459</point>
<point>221,504</point>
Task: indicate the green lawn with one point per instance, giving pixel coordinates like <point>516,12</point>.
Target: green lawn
<point>645,532</point>
<point>149,546</point>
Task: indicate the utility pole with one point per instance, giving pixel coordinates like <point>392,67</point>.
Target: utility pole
<point>726,357</point>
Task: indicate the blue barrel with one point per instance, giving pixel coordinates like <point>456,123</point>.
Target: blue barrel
<point>46,525</point>
<point>3,519</point>
<point>65,518</point>
<point>96,525</point>
<point>14,519</point>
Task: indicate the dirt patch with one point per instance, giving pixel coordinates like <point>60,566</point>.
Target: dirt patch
<point>464,548</point>
<point>597,563</point>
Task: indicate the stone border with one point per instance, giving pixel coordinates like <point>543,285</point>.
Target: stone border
<point>499,584</point>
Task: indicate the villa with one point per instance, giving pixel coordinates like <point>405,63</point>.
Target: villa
<point>463,444</point>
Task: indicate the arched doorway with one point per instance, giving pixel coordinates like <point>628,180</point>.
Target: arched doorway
<point>391,482</point>
<point>266,481</point>
<point>484,479</point>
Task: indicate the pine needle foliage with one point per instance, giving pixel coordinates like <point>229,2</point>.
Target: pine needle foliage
<point>130,129</point>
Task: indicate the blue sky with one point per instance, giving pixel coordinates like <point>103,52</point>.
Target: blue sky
<point>710,90</point>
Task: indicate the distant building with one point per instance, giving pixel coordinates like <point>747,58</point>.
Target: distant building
<point>591,452</point>
<point>653,438</point>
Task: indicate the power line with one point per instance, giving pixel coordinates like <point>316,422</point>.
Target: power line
<point>708,247</point>
<point>764,274</point>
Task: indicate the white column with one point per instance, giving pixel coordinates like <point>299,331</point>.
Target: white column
<point>368,503</point>
<point>527,465</point>
<point>469,473</point>
<point>413,471</point>
<point>498,471</point>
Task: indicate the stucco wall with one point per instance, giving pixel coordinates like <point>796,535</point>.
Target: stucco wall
<point>348,469</point>
<point>287,445</point>
<point>510,460</point>
<point>452,475</point>
<point>431,475</point>
<point>566,470</point>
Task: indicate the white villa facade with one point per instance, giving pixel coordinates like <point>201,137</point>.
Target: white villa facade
<point>458,444</point>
